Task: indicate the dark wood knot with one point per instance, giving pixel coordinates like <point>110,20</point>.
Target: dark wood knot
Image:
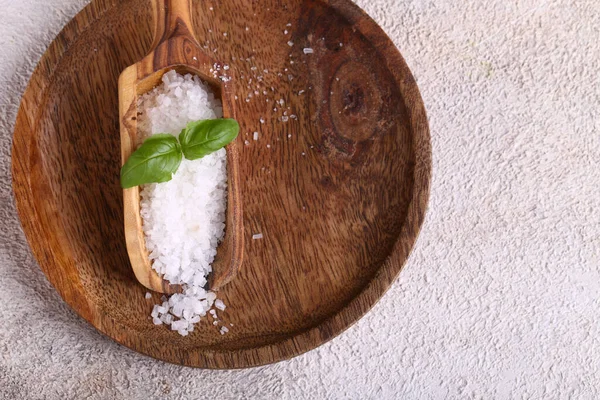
<point>355,102</point>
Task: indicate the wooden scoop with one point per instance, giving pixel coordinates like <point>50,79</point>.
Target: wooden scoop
<point>175,47</point>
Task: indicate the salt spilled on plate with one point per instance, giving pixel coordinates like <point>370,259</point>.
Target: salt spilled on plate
<point>184,218</point>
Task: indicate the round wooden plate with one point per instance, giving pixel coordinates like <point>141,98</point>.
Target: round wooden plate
<point>339,190</point>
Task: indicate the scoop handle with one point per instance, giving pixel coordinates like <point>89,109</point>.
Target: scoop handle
<point>172,19</point>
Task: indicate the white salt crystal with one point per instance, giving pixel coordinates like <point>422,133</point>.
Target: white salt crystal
<point>154,313</point>
<point>257,236</point>
<point>148,295</point>
<point>307,50</point>
<point>179,325</point>
<point>219,304</point>
<point>255,135</point>
<point>290,43</point>
<point>161,309</point>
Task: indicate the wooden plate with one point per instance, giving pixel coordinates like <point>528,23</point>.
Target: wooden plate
<point>339,192</point>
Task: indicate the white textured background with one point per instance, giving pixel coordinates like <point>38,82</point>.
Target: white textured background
<point>500,298</point>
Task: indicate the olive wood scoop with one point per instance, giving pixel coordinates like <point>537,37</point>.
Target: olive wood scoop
<point>175,47</point>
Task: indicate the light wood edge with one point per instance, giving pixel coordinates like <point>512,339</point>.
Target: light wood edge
<point>134,236</point>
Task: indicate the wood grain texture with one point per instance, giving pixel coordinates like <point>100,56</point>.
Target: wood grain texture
<point>339,192</point>
<point>175,47</point>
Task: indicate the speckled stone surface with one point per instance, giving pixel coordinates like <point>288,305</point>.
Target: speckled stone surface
<point>500,298</point>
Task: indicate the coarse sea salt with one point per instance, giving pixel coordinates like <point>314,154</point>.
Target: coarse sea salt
<point>184,218</point>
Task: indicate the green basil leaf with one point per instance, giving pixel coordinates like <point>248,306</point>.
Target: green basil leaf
<point>156,160</point>
<point>201,138</point>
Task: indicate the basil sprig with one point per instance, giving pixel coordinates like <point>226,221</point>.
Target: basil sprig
<point>159,157</point>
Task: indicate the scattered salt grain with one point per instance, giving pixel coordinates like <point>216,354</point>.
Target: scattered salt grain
<point>307,50</point>
<point>257,236</point>
<point>262,120</point>
<point>148,295</point>
<point>290,43</point>
<point>300,92</point>
<point>255,136</point>
<point>246,142</point>
<point>289,24</point>
<point>224,330</point>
